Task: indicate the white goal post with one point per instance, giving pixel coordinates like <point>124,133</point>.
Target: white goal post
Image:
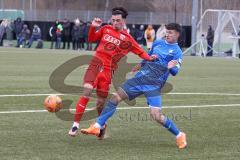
<point>226,24</point>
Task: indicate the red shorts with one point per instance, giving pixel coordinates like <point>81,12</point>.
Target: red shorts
<point>100,78</point>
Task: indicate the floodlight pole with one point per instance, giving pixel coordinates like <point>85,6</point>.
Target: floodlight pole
<point>194,24</point>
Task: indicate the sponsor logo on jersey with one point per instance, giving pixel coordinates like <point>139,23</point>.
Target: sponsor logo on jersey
<point>170,52</point>
<point>112,39</point>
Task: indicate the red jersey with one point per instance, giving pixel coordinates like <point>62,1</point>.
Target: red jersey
<point>113,45</point>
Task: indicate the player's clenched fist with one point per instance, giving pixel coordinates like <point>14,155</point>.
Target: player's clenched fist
<point>97,22</point>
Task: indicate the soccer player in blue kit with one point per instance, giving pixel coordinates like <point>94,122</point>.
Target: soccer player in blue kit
<point>148,81</point>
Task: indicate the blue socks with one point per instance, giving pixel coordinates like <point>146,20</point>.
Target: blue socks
<point>170,125</point>
<point>111,107</point>
<point>107,112</point>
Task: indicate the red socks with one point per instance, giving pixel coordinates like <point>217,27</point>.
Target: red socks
<point>80,108</point>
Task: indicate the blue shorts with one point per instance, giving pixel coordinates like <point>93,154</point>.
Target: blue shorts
<point>137,86</point>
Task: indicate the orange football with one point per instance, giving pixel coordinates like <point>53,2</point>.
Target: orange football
<point>53,103</point>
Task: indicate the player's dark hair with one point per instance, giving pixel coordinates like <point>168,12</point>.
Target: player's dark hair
<point>174,26</point>
<point>120,10</point>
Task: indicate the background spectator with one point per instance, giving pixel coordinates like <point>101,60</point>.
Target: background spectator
<point>23,37</point>
<point>18,26</point>
<point>82,38</point>
<point>36,35</point>
<point>149,36</point>
<point>9,33</point>
<point>3,27</point>
<point>52,33</point>
<point>239,38</point>
<point>140,35</point>
<point>210,39</point>
<point>59,36</point>
<point>133,32</point>
<point>66,33</point>
<point>76,35</point>
<point>182,38</point>
<point>127,28</point>
<point>89,44</point>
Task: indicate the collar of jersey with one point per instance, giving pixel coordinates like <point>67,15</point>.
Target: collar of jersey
<point>170,43</point>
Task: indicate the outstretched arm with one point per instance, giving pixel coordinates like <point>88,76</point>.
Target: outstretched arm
<point>94,35</point>
<point>136,49</point>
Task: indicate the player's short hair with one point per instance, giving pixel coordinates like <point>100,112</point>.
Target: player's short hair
<point>174,26</point>
<point>120,10</point>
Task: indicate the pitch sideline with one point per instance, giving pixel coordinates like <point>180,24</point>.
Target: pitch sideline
<point>176,93</point>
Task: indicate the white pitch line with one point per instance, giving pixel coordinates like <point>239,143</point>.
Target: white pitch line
<point>176,93</point>
<point>29,95</point>
<point>215,94</point>
<point>133,108</point>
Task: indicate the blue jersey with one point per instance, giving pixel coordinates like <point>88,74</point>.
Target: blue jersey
<point>157,70</point>
<point>152,76</point>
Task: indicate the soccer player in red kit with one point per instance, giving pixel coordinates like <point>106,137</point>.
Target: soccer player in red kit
<point>114,43</point>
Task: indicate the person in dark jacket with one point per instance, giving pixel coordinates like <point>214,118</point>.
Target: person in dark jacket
<point>82,39</point>
<point>133,32</point>
<point>76,35</point>
<point>182,38</point>
<point>89,44</point>
<point>210,39</point>
<point>18,26</point>
<point>66,33</point>
<point>24,36</point>
<point>52,33</point>
<point>140,35</point>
